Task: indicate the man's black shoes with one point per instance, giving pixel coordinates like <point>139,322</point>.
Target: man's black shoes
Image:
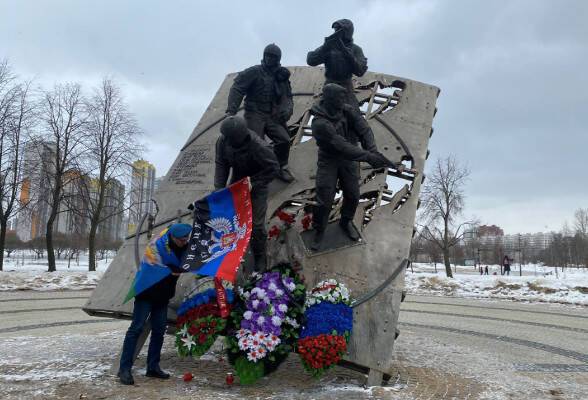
<point>349,229</point>
<point>126,378</point>
<point>157,373</point>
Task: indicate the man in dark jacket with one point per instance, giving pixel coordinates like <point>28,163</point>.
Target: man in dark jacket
<point>342,58</point>
<point>153,303</point>
<point>268,103</point>
<point>337,127</point>
<point>241,151</point>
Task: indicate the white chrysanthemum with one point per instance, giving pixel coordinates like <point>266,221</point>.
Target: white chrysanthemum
<point>247,314</point>
<point>244,343</point>
<point>283,308</point>
<point>255,304</point>
<point>253,356</point>
<point>277,321</point>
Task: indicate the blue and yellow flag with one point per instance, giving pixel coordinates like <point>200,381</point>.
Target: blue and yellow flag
<point>153,267</point>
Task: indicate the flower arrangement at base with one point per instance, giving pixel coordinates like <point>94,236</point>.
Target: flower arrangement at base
<point>326,332</point>
<point>265,322</point>
<point>199,323</point>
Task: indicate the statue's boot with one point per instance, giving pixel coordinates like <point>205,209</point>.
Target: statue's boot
<point>317,240</point>
<point>260,261</point>
<point>348,227</point>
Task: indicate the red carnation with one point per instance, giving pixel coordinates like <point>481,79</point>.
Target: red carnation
<point>306,221</point>
<point>274,232</point>
<point>285,217</point>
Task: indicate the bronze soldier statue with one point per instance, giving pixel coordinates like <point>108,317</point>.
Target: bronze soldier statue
<point>268,103</point>
<point>337,127</point>
<point>342,58</point>
<point>240,152</point>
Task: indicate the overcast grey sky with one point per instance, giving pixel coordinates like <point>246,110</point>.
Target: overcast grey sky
<point>513,75</point>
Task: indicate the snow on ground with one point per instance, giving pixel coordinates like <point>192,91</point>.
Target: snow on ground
<point>538,283</point>
<point>29,274</point>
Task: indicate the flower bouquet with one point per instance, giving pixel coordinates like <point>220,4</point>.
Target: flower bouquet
<point>265,321</point>
<point>329,321</point>
<point>199,322</point>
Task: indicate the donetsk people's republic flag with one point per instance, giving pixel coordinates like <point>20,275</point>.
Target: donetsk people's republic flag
<point>220,232</point>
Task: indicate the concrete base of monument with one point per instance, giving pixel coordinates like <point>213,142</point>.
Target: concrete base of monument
<point>335,238</point>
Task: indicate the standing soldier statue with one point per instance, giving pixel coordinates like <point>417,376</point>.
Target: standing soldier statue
<point>337,127</point>
<point>240,153</point>
<point>268,103</point>
<point>342,58</point>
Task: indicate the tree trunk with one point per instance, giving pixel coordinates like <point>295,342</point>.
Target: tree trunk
<point>49,243</point>
<point>92,246</point>
<point>446,249</point>
<point>447,263</point>
<point>3,226</point>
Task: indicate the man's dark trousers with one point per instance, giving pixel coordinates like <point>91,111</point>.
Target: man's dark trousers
<point>141,312</point>
<point>264,124</point>
<point>329,171</point>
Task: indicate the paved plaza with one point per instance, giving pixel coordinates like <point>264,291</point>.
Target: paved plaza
<point>448,348</point>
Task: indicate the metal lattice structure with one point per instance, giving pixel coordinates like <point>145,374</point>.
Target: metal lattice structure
<point>400,112</point>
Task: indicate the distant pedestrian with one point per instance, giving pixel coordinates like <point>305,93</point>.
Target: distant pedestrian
<point>506,265</point>
<point>486,270</point>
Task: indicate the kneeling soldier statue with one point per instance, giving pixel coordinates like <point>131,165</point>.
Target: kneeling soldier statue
<point>242,151</point>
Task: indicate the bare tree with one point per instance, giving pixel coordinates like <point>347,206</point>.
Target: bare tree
<point>12,243</point>
<point>16,116</point>
<point>581,221</point>
<point>581,237</point>
<point>443,202</point>
<point>112,146</point>
<point>64,119</point>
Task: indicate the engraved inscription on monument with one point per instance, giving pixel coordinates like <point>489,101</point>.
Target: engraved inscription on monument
<point>193,166</point>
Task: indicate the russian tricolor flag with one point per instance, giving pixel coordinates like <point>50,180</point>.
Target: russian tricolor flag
<point>221,232</point>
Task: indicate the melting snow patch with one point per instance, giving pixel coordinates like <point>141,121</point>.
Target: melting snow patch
<point>568,288</point>
<point>45,281</point>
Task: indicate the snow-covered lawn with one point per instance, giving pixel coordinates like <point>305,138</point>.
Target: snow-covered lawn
<point>33,275</point>
<point>538,283</point>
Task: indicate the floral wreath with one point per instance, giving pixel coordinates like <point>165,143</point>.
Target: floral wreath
<point>265,322</point>
<point>329,322</point>
<point>200,322</point>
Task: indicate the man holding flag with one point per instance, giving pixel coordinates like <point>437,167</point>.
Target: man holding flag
<point>154,286</point>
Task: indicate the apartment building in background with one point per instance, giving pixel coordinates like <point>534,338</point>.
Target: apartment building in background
<point>142,191</point>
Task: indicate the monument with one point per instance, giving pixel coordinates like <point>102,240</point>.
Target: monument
<point>400,113</point>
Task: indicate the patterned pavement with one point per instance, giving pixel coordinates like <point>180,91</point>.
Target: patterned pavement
<point>449,348</point>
